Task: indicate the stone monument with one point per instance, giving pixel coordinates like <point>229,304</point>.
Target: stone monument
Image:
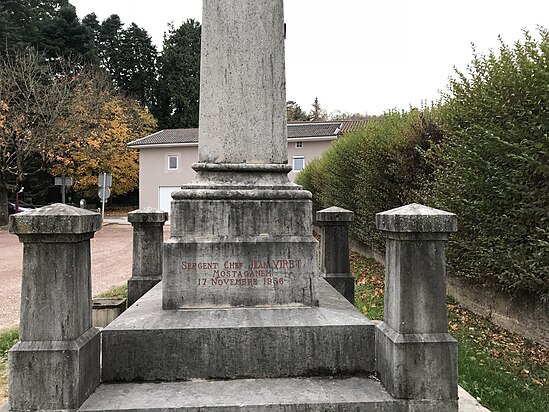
<point>241,232</point>
<point>241,293</point>
<point>242,319</point>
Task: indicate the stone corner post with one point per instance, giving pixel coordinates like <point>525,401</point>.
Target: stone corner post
<point>416,357</point>
<point>334,249</point>
<point>148,237</point>
<point>55,365</point>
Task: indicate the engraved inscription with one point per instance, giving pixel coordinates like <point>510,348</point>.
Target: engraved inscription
<point>271,273</point>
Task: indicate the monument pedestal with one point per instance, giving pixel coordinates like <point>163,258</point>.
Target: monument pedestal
<point>301,359</point>
<point>56,364</point>
<point>146,343</point>
<point>240,237</point>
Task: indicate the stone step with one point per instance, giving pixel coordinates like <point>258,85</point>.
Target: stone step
<point>149,344</point>
<point>258,395</point>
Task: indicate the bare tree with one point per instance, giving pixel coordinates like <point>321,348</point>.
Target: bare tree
<point>36,104</point>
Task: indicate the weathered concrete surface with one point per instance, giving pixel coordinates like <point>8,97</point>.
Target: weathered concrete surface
<point>55,219</point>
<point>417,366</point>
<point>148,343</point>
<point>56,375</point>
<point>148,237</point>
<point>467,403</point>
<point>105,310</point>
<point>334,249</point>
<point>525,317</point>
<point>254,395</point>
<point>236,246</point>
<point>240,213</point>
<point>55,365</point>
<point>416,357</point>
<point>56,271</point>
<point>243,83</point>
<point>416,218</point>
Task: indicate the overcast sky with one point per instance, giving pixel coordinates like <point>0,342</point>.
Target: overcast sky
<point>363,56</point>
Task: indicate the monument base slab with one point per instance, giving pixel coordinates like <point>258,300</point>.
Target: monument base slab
<point>64,373</point>
<point>255,395</point>
<point>146,343</point>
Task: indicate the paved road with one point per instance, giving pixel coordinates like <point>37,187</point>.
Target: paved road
<point>111,266</point>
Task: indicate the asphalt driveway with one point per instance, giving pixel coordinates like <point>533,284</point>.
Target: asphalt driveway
<point>111,266</point>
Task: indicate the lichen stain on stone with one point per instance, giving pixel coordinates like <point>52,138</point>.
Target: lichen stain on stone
<point>21,227</point>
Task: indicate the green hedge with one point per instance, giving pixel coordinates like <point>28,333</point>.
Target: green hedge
<point>482,154</point>
<point>495,173</point>
<point>374,169</point>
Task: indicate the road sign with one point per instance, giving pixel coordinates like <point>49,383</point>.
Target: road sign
<point>104,191</point>
<point>104,177</point>
<point>62,181</point>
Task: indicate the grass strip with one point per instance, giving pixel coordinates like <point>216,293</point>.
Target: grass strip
<point>117,292</point>
<point>8,338</point>
<point>503,370</point>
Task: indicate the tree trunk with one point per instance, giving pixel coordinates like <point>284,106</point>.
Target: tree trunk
<point>4,217</point>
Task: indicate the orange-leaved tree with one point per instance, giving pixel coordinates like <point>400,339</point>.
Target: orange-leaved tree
<point>101,125</point>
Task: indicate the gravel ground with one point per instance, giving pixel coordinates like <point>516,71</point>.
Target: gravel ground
<point>111,266</point>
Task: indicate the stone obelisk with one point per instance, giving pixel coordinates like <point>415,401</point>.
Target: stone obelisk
<point>243,87</point>
<point>241,231</point>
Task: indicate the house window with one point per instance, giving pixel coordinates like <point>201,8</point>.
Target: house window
<point>173,162</point>
<point>298,163</point>
<point>298,145</point>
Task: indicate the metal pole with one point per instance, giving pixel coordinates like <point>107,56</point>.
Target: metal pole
<point>63,189</point>
<point>104,193</point>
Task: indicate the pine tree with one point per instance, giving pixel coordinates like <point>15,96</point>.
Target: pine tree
<point>178,86</point>
<point>295,113</point>
<point>65,36</point>
<point>317,113</point>
<point>135,72</point>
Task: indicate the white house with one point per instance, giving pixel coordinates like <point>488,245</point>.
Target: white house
<point>165,157</point>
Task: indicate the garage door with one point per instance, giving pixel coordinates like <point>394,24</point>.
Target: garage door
<point>165,197</point>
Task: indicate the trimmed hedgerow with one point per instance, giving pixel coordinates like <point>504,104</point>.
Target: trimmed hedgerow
<point>495,167</point>
<point>482,154</point>
<point>374,169</point>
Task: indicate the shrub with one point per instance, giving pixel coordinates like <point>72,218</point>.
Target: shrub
<point>495,167</point>
<point>375,169</point>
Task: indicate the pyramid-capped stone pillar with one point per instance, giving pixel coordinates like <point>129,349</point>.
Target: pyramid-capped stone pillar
<point>148,236</point>
<point>334,249</point>
<point>55,366</point>
<point>416,357</point>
